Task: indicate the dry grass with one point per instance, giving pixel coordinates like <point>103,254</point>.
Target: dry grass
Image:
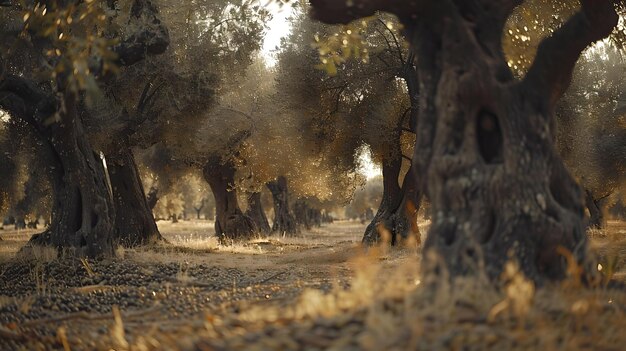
<point>384,303</point>
<point>404,312</point>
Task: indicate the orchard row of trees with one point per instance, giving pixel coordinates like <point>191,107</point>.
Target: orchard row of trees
<point>89,87</point>
<point>109,104</point>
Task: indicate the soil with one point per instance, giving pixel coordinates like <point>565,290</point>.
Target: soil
<point>315,291</point>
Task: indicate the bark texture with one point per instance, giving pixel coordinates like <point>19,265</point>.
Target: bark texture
<point>230,221</point>
<point>484,150</point>
<point>134,222</point>
<point>284,221</point>
<point>83,212</point>
<point>382,226</point>
<point>396,218</point>
<point>256,212</point>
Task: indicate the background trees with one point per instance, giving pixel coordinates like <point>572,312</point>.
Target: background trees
<point>591,129</point>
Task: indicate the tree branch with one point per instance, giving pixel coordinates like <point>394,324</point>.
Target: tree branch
<point>551,72</point>
<point>23,100</point>
<point>395,40</point>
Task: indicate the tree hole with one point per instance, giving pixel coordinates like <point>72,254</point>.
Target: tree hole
<point>489,134</point>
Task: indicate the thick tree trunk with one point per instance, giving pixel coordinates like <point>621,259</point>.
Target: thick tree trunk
<point>255,211</point>
<point>83,211</point>
<point>397,214</point>
<point>484,151</point>
<point>284,221</point>
<point>230,221</point>
<point>497,186</point>
<point>382,226</point>
<point>134,222</point>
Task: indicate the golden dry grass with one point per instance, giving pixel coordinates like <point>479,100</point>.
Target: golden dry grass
<point>377,301</point>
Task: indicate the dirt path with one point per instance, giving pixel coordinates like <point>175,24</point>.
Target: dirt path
<point>164,288</point>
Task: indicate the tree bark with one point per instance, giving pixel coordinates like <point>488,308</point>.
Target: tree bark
<point>383,221</point>
<point>83,212</point>
<point>230,221</point>
<point>134,222</point>
<point>284,221</point>
<point>484,150</point>
<point>255,211</point>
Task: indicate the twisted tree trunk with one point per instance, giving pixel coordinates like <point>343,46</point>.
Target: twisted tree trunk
<point>397,214</point>
<point>134,222</point>
<point>384,220</point>
<point>83,212</point>
<point>484,150</point>
<point>230,221</point>
<point>255,211</point>
<point>284,221</point>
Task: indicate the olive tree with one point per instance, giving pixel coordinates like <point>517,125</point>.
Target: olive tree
<point>484,149</point>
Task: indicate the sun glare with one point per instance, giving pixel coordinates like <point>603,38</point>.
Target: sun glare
<point>367,167</point>
<point>279,27</point>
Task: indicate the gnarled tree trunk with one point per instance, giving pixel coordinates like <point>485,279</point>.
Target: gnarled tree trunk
<point>255,211</point>
<point>397,213</point>
<point>134,222</point>
<point>230,221</point>
<point>484,150</point>
<point>284,221</point>
<point>83,212</point>
<point>384,221</point>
